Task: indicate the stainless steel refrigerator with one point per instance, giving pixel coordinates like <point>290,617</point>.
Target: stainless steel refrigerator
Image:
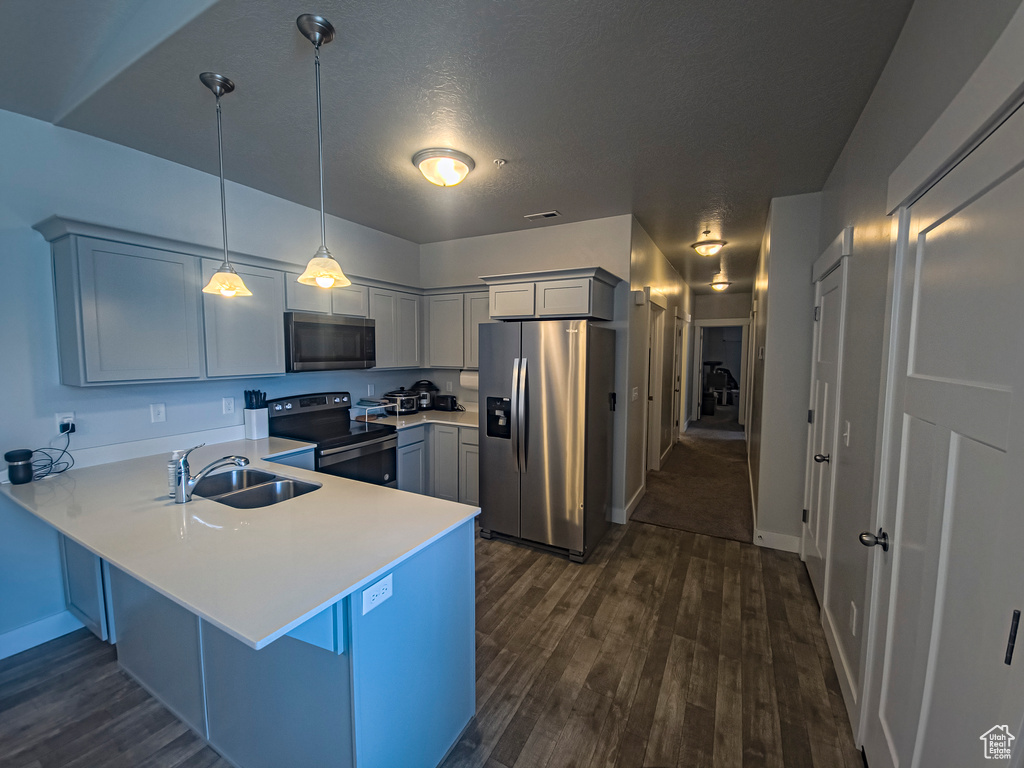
<point>546,403</point>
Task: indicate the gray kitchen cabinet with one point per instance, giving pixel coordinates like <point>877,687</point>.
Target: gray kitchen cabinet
<point>396,317</point>
<point>125,313</point>
<point>586,292</point>
<point>446,347</point>
<point>352,300</point>
<point>477,311</point>
<point>444,458</point>
<point>84,589</point>
<point>469,466</point>
<point>304,298</point>
<point>413,460</point>
<point>245,334</point>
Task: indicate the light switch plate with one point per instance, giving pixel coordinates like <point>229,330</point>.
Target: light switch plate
<point>157,412</point>
<point>227,405</point>
<point>376,594</point>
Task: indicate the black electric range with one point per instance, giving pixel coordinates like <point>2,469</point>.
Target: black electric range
<point>354,449</point>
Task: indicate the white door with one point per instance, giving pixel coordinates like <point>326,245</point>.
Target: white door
<point>655,353</point>
<point>677,376</point>
<point>698,370</point>
<point>823,447</point>
<point>952,480</point>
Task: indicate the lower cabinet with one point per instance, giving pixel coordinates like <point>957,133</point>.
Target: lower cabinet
<point>469,467</point>
<point>444,455</point>
<point>440,460</point>
<point>86,588</point>
<point>412,468</point>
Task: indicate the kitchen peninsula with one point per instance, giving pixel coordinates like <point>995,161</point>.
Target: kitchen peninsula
<point>255,626</point>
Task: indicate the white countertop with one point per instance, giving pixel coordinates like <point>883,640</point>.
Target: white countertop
<point>255,573</point>
<point>455,418</point>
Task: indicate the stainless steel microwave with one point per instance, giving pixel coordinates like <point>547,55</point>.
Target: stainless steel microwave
<point>328,343</point>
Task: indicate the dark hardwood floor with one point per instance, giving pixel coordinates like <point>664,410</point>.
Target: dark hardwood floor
<point>665,649</point>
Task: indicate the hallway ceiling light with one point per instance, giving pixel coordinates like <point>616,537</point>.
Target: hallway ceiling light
<point>708,247</point>
<point>719,282</point>
<point>322,270</point>
<point>444,167</point>
<point>226,281</point>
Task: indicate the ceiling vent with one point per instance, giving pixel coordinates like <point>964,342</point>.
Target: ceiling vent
<point>542,216</point>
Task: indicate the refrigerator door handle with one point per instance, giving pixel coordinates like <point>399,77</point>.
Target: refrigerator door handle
<point>524,404</point>
<point>515,412</point>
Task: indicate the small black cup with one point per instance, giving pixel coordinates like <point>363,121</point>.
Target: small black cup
<point>19,466</point>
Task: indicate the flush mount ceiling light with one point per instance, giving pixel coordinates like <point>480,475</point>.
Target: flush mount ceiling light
<point>707,247</point>
<point>226,281</point>
<point>719,282</point>
<point>444,167</point>
<point>322,270</point>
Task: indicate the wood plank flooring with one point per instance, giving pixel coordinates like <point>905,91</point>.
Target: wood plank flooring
<point>665,649</point>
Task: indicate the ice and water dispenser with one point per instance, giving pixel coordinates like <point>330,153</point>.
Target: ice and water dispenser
<point>499,417</point>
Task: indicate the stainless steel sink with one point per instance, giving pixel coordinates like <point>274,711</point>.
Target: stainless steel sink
<point>266,494</point>
<point>250,488</point>
<point>226,482</point>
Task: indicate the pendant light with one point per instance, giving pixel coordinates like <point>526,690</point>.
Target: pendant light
<point>444,167</point>
<point>708,247</point>
<point>322,270</point>
<point>720,282</point>
<point>226,281</point>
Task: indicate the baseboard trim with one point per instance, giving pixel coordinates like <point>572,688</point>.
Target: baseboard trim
<point>780,541</point>
<point>666,452</point>
<point>37,633</point>
<point>847,683</point>
<point>620,515</point>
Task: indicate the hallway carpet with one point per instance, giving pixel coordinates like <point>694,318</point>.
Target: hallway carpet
<point>703,486</point>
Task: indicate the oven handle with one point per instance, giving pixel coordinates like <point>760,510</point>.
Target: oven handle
<point>336,455</point>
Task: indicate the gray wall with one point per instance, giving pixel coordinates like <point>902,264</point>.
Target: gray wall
<point>941,44</point>
<point>715,306</point>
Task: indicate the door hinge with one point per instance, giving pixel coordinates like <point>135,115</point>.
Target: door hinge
<point>677,422</point>
<point>805,516</point>
<point>817,314</point>
<point>1014,622</point>
<point>810,417</point>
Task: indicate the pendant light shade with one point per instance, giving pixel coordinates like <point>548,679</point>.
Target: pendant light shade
<point>226,281</point>
<point>323,270</point>
<point>444,167</point>
<point>708,247</point>
<point>719,282</point>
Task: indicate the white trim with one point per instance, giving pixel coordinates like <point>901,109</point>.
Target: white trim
<point>988,97</point>
<point>780,541</point>
<point>721,321</point>
<point>37,633</point>
<point>686,426</point>
<point>697,365</point>
<point>829,258</point>
<point>634,502</point>
<point>656,297</point>
<point>667,451</point>
<point>848,691</point>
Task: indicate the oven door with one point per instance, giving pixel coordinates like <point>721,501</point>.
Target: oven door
<point>372,461</point>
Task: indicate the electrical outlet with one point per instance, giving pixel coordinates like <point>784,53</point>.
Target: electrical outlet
<point>853,618</point>
<point>370,390</point>
<point>447,386</point>
<point>64,418</point>
<point>227,405</point>
<point>157,413</point>
<point>376,594</point>
<point>635,394</point>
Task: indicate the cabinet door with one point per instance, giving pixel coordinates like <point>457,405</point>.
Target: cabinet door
<point>352,300</point>
<point>477,312</point>
<point>444,457</point>
<point>410,345</point>
<point>512,300</point>
<point>304,298</point>
<point>384,311</point>
<point>245,334</point>
<point>412,468</point>
<point>83,586</point>
<point>469,474</point>
<point>445,320</point>
<point>139,313</point>
<point>562,298</point>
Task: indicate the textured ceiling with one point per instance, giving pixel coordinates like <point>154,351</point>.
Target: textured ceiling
<point>690,115</point>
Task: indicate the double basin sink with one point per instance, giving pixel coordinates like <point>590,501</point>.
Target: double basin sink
<point>250,488</point>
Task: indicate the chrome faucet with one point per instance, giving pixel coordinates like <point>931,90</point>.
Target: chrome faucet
<point>184,483</point>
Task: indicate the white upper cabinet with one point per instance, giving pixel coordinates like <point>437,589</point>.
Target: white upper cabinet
<point>396,317</point>
<point>446,329</point>
<point>562,293</point>
<point>245,334</point>
<point>352,300</point>
<point>125,313</point>
<point>477,311</point>
<point>305,298</point>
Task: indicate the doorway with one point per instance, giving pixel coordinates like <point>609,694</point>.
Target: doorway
<point>719,373</point>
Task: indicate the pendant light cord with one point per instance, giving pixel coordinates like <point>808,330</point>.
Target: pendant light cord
<point>223,199</point>
<point>320,145</point>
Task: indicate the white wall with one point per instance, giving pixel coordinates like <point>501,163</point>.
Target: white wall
<point>594,243</point>
<point>940,46</point>
<point>783,326</point>
<point>715,306</point>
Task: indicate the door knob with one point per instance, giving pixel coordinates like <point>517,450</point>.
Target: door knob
<point>822,458</point>
<point>880,539</point>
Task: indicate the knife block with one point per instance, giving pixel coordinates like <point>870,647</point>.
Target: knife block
<point>257,423</point>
